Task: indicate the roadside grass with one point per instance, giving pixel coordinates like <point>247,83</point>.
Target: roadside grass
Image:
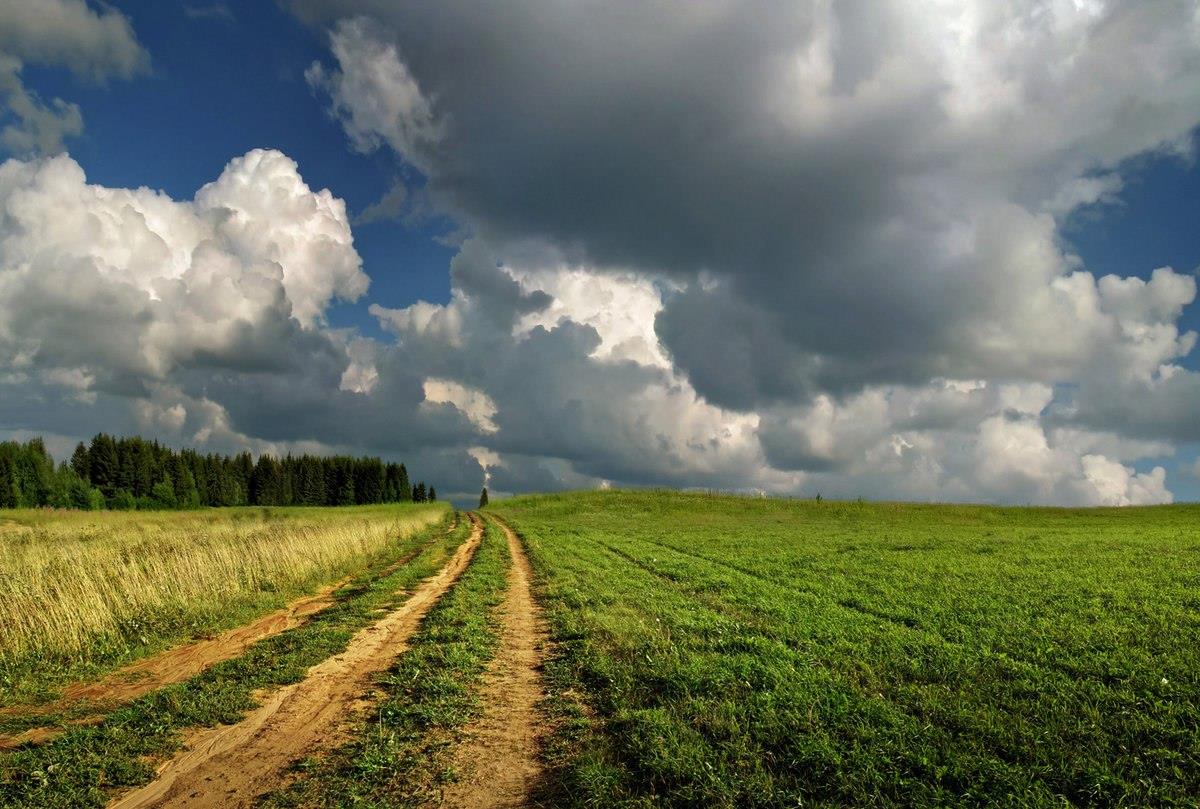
<point>82,593</point>
<point>726,651</point>
<point>401,755</point>
<point>87,765</point>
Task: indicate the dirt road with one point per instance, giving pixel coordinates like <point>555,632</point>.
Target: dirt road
<point>498,763</point>
<point>175,665</point>
<point>231,765</point>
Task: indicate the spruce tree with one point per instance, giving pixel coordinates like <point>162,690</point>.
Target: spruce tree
<point>483,497</point>
<point>80,462</point>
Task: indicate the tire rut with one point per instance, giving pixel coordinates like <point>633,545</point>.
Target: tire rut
<point>176,664</point>
<point>232,765</point>
<point>498,761</point>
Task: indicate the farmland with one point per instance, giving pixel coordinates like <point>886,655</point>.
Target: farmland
<point>83,591</point>
<point>621,649</point>
<point>736,651</point>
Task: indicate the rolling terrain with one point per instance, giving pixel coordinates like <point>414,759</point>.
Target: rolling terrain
<point>651,649</point>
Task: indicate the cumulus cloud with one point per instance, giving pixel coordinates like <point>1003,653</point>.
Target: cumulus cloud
<point>815,247</point>
<point>825,210</point>
<point>118,290</point>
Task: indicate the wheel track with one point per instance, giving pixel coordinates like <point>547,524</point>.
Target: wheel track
<point>231,765</point>
<point>177,664</point>
<point>498,763</point>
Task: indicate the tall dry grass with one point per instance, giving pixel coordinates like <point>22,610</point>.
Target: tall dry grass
<point>80,586</point>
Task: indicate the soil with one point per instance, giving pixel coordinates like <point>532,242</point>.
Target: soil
<point>231,765</point>
<point>175,665</point>
<point>498,763</point>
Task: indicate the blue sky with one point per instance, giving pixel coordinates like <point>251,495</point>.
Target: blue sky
<point>664,240</point>
<point>219,88</point>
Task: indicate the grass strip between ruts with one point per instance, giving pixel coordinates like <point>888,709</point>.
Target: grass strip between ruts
<point>402,754</point>
<point>87,765</point>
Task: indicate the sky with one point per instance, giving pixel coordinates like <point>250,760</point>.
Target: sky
<point>874,248</point>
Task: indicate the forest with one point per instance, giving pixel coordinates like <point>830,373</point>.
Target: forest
<point>135,473</point>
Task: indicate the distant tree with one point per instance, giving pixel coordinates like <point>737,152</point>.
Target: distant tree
<point>402,484</point>
<point>104,465</point>
<point>131,472</point>
<point>80,463</point>
<point>9,496</point>
<point>483,497</point>
<point>122,500</point>
<point>162,494</point>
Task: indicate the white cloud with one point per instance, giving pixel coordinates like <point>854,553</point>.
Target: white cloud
<point>93,45</point>
<point>35,127</point>
<point>474,404</point>
<point>373,93</point>
<point>131,282</point>
<point>1118,485</point>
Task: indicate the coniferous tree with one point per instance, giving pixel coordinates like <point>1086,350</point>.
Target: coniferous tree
<point>80,463</point>
<point>131,472</point>
<point>9,496</point>
<point>402,484</point>
<point>103,464</point>
<point>483,499</point>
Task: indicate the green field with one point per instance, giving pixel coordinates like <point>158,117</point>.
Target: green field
<point>704,651</point>
<point>746,652</point>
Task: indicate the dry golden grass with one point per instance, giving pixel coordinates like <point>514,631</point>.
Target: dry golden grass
<point>83,586</point>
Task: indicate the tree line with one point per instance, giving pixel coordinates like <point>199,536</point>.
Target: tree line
<point>133,473</point>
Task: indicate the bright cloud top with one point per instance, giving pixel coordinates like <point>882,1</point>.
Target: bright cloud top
<point>817,247</point>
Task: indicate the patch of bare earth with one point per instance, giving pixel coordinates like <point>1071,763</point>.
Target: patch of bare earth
<point>232,765</point>
<point>171,666</point>
<point>175,665</point>
<point>498,761</point>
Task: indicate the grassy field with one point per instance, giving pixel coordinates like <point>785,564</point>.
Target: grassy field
<point>88,765</point>
<point>742,652</point>
<point>401,755</point>
<point>81,592</point>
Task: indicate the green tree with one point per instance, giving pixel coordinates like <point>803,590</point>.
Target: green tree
<point>103,465</point>
<point>122,500</point>
<point>162,494</point>
<point>80,462</point>
<point>483,497</point>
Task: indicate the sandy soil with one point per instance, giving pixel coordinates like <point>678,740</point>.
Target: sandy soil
<point>171,666</point>
<point>231,765</point>
<point>498,761</point>
<point>177,664</point>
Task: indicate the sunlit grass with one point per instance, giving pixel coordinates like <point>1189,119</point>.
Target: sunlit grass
<point>747,652</point>
<point>77,588</point>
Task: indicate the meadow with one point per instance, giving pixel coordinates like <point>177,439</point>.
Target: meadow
<point>730,651</point>
<point>82,592</point>
<point>704,651</point>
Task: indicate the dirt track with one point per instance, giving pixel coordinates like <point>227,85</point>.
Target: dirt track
<point>172,666</point>
<point>177,664</point>
<point>231,765</point>
<point>498,762</point>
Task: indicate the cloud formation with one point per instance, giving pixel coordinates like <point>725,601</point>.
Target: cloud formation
<point>817,247</point>
<point>94,46</point>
